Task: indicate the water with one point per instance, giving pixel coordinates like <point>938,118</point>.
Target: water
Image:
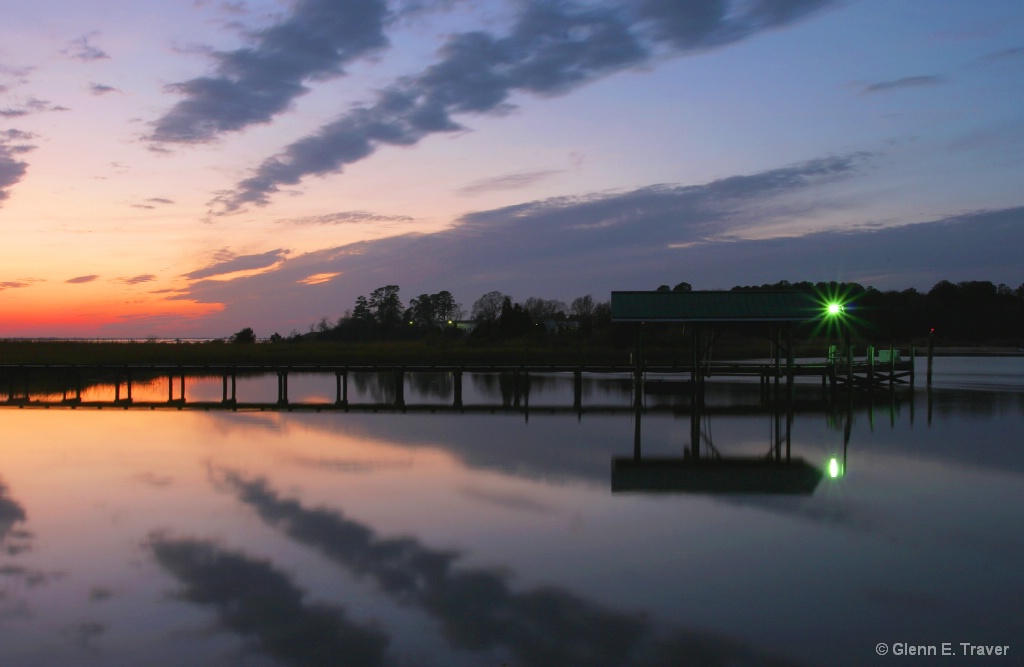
<point>266,538</point>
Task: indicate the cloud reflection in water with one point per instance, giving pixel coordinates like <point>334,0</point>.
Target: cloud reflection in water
<point>477,608</point>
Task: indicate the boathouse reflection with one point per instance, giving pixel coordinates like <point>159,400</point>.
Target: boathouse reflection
<point>703,467</point>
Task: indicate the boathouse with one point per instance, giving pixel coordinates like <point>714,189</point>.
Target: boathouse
<point>706,314</point>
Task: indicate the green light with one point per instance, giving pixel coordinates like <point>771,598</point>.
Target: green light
<point>833,468</point>
<point>835,308</point>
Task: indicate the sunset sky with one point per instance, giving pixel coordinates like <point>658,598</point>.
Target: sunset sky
<point>186,168</point>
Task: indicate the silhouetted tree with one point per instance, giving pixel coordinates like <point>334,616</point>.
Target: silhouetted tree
<point>487,308</point>
<point>386,307</point>
<point>513,321</point>
<point>544,309</point>
<point>245,336</point>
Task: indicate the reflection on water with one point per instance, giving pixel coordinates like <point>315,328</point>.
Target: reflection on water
<point>276,538</point>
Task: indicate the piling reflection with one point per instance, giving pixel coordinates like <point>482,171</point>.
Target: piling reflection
<point>703,467</point>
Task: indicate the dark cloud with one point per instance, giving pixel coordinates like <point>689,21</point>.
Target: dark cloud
<point>30,106</point>
<point>13,540</point>
<point>551,48</point>
<point>81,279</point>
<point>254,83</point>
<point>81,49</point>
<point>12,167</point>
<point>905,82</point>
<point>510,501</point>
<point>477,608</point>
<point>239,263</point>
<point>160,200</point>
<point>15,284</point>
<point>101,89</point>
<point>507,182</point>
<point>258,601</point>
<point>1005,54</point>
<point>568,246</point>
<point>135,280</point>
<point>344,217</point>
<point>351,465</point>
<point>11,512</point>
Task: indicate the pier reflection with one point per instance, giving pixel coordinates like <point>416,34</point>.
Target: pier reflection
<point>703,467</point>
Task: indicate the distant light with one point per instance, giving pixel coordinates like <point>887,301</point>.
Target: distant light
<point>833,468</point>
<point>835,308</point>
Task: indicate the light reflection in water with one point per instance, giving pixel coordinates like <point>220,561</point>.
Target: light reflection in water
<point>481,539</point>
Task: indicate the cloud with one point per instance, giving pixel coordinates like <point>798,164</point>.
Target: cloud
<point>102,89</point>
<point>81,279</point>
<point>1004,54</point>
<point>511,501</point>
<point>254,599</point>
<point>507,182</point>
<point>160,200</point>
<point>254,83</point>
<point>11,512</point>
<point>12,167</point>
<point>13,540</point>
<point>135,280</point>
<point>343,218</point>
<point>30,106</point>
<point>15,284</point>
<point>80,49</point>
<point>905,82</point>
<point>239,263</point>
<point>550,49</point>
<point>568,246</point>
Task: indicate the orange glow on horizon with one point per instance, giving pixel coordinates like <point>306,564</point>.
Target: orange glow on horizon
<point>32,313</point>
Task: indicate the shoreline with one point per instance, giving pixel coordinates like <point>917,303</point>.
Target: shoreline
<point>982,351</point>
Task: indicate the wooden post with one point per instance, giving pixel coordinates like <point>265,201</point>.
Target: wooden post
<point>341,388</point>
<point>790,362</point>
<point>577,390</point>
<point>282,387</point>
<point>400,388</point>
<point>892,365</point>
<point>457,378</point>
<point>636,432</point>
<point>695,427</point>
<point>931,352</point>
<point>638,395</point>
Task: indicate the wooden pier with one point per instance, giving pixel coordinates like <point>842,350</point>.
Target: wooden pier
<point>20,382</point>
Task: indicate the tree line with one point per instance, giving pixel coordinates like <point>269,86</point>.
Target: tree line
<point>968,312</point>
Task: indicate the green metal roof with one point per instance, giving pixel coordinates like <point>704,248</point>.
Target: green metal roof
<point>715,307</point>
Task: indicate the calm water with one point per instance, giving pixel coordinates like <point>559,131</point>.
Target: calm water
<point>130,537</point>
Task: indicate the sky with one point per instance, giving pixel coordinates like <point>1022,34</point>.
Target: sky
<point>188,168</point>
